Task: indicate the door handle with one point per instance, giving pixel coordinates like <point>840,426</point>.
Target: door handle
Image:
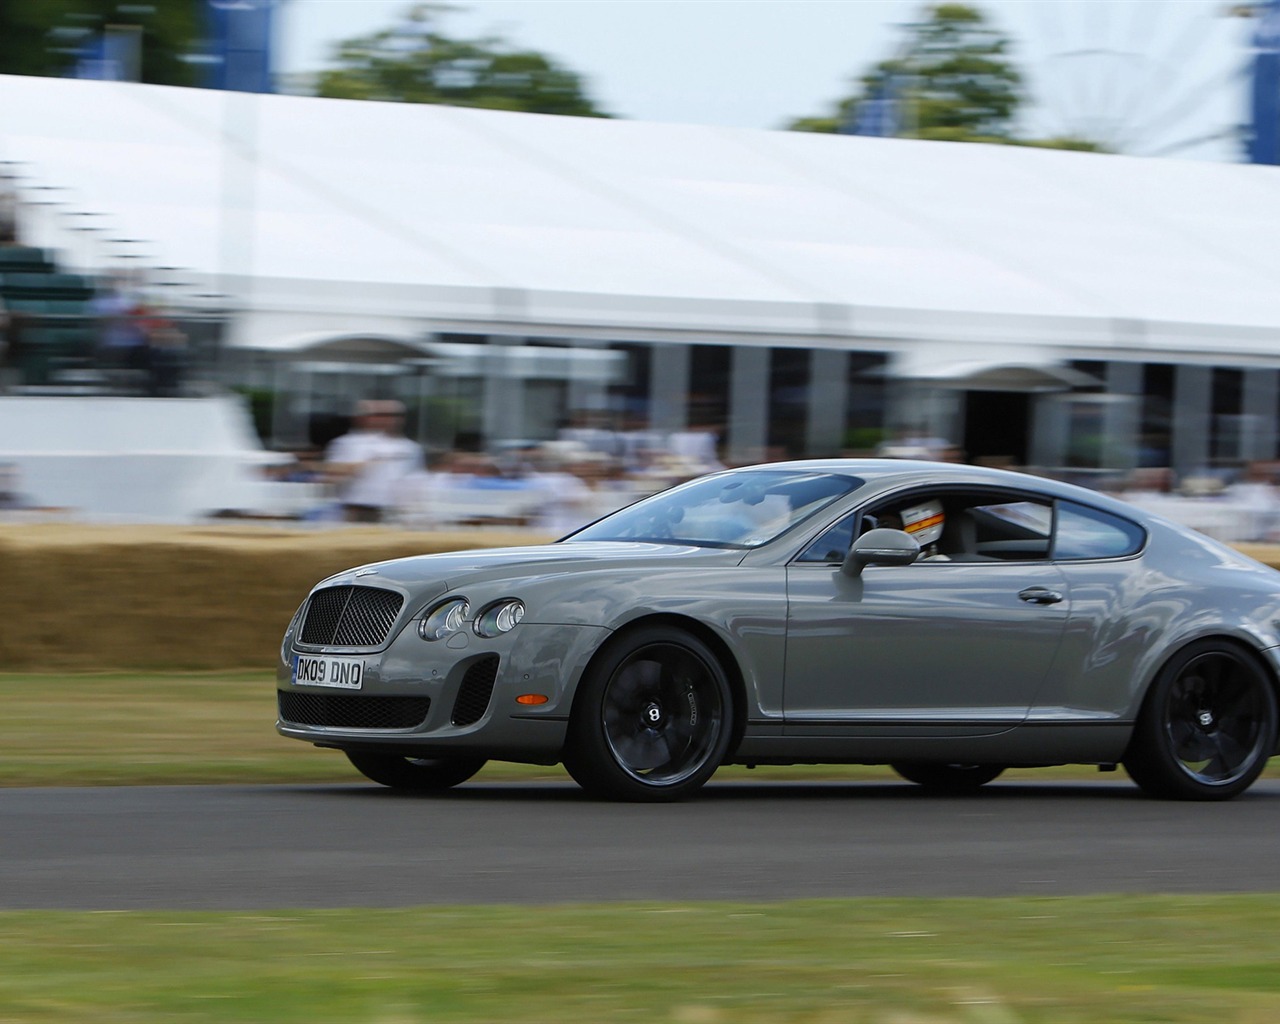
<point>1040,595</point>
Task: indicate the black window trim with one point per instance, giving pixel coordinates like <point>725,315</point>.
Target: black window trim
<point>1003,496</point>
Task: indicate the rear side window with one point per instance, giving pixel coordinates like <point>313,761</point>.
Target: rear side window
<point>1083,533</point>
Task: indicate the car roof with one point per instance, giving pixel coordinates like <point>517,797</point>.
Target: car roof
<point>886,473</point>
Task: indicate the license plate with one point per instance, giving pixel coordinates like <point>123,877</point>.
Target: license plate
<point>344,673</point>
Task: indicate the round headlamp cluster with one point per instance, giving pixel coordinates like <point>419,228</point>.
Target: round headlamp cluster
<point>445,619</point>
<point>499,618</point>
<point>452,616</point>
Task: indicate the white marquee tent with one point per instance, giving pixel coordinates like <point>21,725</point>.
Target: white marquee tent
<point>329,216</point>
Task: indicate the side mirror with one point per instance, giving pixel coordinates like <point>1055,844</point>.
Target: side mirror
<point>880,547</point>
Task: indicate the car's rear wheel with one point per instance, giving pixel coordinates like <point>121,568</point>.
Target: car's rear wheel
<point>652,718</point>
<point>419,774</point>
<point>1207,726</point>
<point>948,778</point>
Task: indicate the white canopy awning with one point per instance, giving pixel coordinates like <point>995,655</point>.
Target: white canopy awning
<point>326,352</point>
<point>976,375</point>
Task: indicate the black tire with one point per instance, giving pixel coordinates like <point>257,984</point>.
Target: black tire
<point>948,778</point>
<point>1207,725</point>
<point>417,774</point>
<point>652,718</point>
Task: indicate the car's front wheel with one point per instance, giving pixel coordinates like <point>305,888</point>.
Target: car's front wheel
<point>1207,726</point>
<point>652,718</point>
<point>948,778</point>
<point>419,774</point>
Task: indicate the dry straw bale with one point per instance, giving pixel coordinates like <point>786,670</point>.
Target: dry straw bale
<point>85,598</point>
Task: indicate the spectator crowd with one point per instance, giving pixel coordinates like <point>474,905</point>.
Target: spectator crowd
<point>375,474</point>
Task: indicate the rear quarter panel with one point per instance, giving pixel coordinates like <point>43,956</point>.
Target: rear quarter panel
<point>1129,616</point>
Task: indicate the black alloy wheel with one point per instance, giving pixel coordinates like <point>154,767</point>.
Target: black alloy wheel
<point>652,720</point>
<point>417,774</point>
<point>1207,727</point>
<point>948,778</point>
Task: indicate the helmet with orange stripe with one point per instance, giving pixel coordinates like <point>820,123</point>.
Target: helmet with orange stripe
<point>924,521</point>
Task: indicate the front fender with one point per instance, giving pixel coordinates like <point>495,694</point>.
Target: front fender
<point>744,609</point>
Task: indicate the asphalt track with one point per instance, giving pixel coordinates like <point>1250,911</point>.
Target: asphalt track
<point>260,847</point>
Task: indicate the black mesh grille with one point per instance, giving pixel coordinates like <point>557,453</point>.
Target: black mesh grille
<point>350,616</point>
<point>475,691</point>
<point>347,711</point>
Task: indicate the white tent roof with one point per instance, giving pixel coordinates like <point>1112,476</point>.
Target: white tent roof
<point>331,215</point>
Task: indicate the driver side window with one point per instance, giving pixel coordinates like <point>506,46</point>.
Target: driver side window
<point>960,527</point>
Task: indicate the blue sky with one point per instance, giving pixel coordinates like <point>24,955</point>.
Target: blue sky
<point>1146,74</point>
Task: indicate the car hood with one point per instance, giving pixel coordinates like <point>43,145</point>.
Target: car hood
<point>451,570</point>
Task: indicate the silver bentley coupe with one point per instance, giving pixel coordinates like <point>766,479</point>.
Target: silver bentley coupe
<point>946,620</point>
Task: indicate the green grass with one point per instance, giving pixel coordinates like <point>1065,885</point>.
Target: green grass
<point>1150,959</point>
<point>116,729</point>
<point>140,729</point>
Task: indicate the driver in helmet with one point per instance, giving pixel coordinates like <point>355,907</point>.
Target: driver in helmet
<point>924,521</point>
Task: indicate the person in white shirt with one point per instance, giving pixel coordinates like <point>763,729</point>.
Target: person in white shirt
<point>566,501</point>
<point>697,446</point>
<point>369,462</point>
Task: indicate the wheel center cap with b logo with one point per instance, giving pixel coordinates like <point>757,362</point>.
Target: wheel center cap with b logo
<point>653,716</point>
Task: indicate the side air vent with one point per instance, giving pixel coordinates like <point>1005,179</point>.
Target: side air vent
<point>475,692</point>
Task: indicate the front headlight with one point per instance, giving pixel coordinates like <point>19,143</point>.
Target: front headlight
<point>444,619</point>
<point>501,617</point>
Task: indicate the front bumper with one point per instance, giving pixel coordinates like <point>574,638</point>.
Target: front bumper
<point>452,698</point>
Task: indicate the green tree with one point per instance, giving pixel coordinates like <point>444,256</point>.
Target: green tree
<point>43,37</point>
<point>417,63</point>
<point>952,80</point>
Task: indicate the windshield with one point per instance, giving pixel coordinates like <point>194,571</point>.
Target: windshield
<point>728,510</point>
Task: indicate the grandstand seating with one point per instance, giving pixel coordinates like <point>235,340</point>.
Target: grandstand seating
<point>51,330</point>
<point>24,259</point>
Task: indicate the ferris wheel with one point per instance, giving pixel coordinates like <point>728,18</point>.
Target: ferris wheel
<point>1141,77</point>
